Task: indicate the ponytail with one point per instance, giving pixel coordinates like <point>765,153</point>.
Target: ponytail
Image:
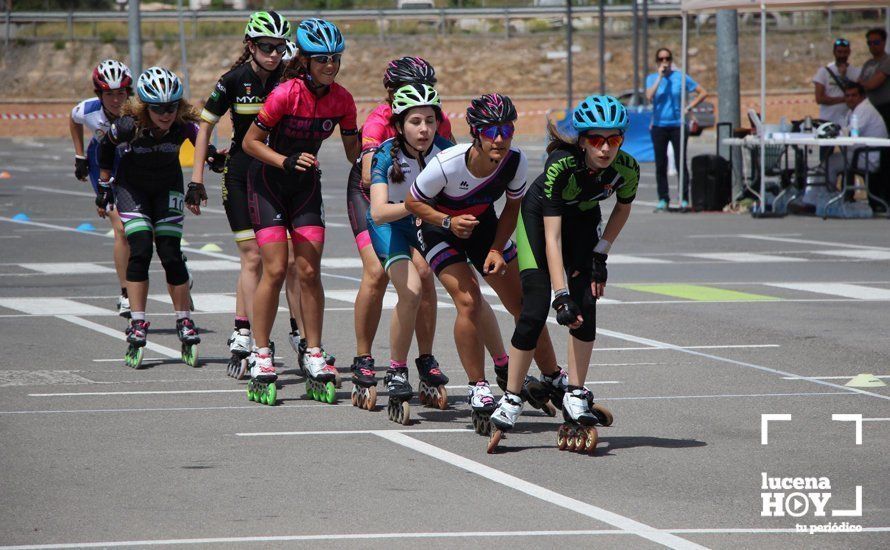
<point>293,69</point>
<point>243,59</point>
<point>396,174</point>
<point>559,141</point>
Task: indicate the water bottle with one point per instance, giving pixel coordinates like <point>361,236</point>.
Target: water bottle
<point>808,124</point>
<point>854,125</point>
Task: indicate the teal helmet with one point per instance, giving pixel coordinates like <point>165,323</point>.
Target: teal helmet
<point>599,112</point>
<point>317,36</point>
<point>158,85</point>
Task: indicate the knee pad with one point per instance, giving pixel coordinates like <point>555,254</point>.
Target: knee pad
<point>140,256</point>
<point>171,257</point>
<point>535,307</point>
<point>579,290</point>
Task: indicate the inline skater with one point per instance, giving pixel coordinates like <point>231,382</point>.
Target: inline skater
<point>113,85</point>
<point>147,191</point>
<point>561,249</point>
<point>242,91</point>
<point>416,114</point>
<point>369,300</point>
<point>284,194</point>
<point>455,196</point>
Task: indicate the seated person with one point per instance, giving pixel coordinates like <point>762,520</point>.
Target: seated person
<point>870,124</point>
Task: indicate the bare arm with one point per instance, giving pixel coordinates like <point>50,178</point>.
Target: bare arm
<point>875,81</point>
<point>201,143</point>
<point>76,136</point>
<point>700,94</point>
<point>424,211</point>
<point>367,160</point>
<point>381,209</point>
<point>617,219</point>
<point>650,92</point>
<point>352,147</point>
<point>823,99</point>
<point>506,223</point>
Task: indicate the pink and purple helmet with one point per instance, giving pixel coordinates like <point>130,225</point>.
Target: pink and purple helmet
<point>408,70</point>
<point>488,110</point>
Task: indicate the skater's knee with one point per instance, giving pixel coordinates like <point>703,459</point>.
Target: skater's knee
<point>171,258</point>
<point>469,303</point>
<point>275,272</point>
<point>310,276</point>
<point>252,262</point>
<point>140,256</point>
<point>409,295</point>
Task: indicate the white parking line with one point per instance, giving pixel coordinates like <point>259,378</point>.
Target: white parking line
<point>354,432</point>
<point>102,329</point>
<point>147,392</point>
<point>827,377</point>
<point>536,491</point>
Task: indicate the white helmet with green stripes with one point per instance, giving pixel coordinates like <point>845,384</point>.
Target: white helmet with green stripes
<point>415,95</point>
<point>267,24</point>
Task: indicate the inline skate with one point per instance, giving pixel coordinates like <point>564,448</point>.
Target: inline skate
<point>239,346</point>
<point>137,334</point>
<point>261,387</point>
<point>364,383</point>
<point>400,392</point>
<point>483,405</point>
<point>431,387</point>
<point>320,376</point>
<point>188,336</point>
<point>504,418</point>
<point>578,432</point>
<point>533,391</point>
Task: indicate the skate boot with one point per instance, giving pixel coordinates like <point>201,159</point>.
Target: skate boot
<point>188,336</point>
<point>239,346</point>
<point>301,352</point>
<point>123,306</point>
<point>364,383</point>
<point>533,391</point>
<point>556,384</point>
<point>504,418</point>
<point>482,403</point>
<point>399,390</point>
<point>261,387</point>
<point>578,432</point>
<point>137,333</point>
<point>431,387</point>
<point>320,377</point>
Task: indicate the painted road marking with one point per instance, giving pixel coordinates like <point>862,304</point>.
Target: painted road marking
<point>845,290</point>
<point>213,265</point>
<point>629,259</point>
<point>355,432</point>
<point>595,512</point>
<point>698,292</point>
<point>745,257</point>
<point>68,268</point>
<point>857,254</point>
<point>809,241</point>
<point>341,263</point>
<point>488,291</point>
<point>147,392</point>
<point>826,377</point>
<point>207,303</point>
<point>53,306</point>
<point>102,329</point>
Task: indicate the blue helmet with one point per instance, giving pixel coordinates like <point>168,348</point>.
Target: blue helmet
<point>599,112</point>
<point>317,36</point>
<point>158,85</point>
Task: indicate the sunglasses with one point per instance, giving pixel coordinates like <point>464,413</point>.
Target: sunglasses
<point>664,59</point>
<point>267,48</point>
<point>492,132</point>
<point>324,59</point>
<point>876,42</point>
<point>842,42</point>
<point>596,140</point>
<point>163,108</point>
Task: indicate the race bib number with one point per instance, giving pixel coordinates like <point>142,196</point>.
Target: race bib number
<point>177,201</point>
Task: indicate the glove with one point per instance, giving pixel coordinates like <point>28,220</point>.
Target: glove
<point>567,311</point>
<point>598,271</point>
<point>104,196</point>
<point>195,194</point>
<point>215,161</point>
<point>290,163</point>
<point>123,129</point>
<point>81,167</point>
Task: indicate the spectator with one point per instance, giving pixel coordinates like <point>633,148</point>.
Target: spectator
<point>870,124</point>
<point>830,82</point>
<point>663,89</point>
<point>874,78</point>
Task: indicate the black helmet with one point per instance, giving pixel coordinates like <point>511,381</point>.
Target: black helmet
<point>488,110</point>
<point>408,70</point>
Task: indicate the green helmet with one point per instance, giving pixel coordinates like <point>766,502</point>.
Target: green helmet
<point>269,24</point>
<point>415,95</point>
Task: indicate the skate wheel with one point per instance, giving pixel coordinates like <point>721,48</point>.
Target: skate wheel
<point>272,395</point>
<point>475,420</point>
<point>570,439</point>
<point>590,444</point>
<point>421,394</point>
<point>442,403</point>
<point>603,414</point>
<point>354,398</point>
<point>404,414</point>
<point>580,441</point>
<point>242,370</point>
<point>562,438</point>
<point>494,440</point>
<point>371,402</point>
<point>309,391</point>
<point>137,358</point>
<point>193,356</point>
<point>549,409</point>
<point>330,393</point>
<point>391,411</point>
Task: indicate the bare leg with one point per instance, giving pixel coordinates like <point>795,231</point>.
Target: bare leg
<point>308,259</point>
<point>405,278</point>
<point>292,289</point>
<point>460,282</point>
<point>121,248</point>
<point>425,325</point>
<point>369,301</point>
<point>248,277</point>
<point>265,303</point>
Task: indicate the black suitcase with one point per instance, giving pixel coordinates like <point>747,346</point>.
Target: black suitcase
<point>711,182</point>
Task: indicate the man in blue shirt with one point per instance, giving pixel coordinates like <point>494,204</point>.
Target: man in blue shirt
<point>663,89</point>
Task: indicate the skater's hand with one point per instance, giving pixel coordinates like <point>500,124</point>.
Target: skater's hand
<point>299,163</point>
<point>195,198</point>
<point>494,263</point>
<point>599,274</point>
<point>463,225</point>
<point>104,199</point>
<point>81,168</point>
<point>123,129</point>
<point>568,314</point>
<point>216,159</point>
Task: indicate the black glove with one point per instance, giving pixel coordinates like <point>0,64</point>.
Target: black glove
<point>195,194</point>
<point>567,311</point>
<point>290,163</point>
<point>104,196</point>
<point>598,271</point>
<point>215,161</point>
<point>123,129</point>
<point>81,168</point>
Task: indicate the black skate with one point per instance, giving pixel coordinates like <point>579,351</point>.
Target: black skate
<point>137,334</point>
<point>431,387</point>
<point>188,336</point>
<point>534,392</point>
<point>364,383</point>
<point>400,393</point>
<point>556,386</point>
